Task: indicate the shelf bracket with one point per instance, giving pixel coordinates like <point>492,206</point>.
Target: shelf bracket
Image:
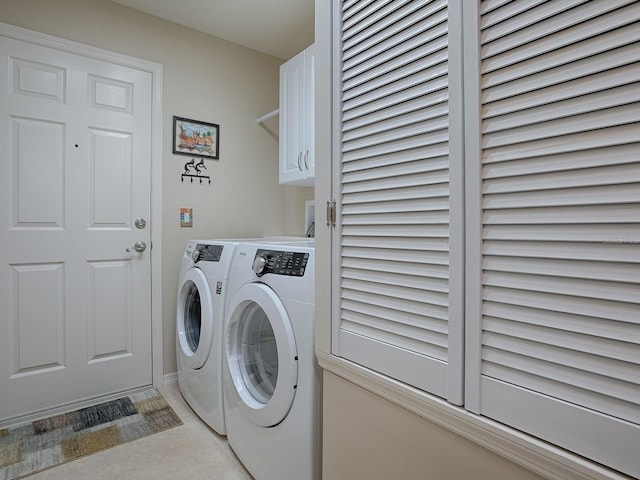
<point>267,116</point>
<point>260,121</point>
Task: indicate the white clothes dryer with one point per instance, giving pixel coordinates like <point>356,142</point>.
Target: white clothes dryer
<point>272,386</point>
<point>199,321</point>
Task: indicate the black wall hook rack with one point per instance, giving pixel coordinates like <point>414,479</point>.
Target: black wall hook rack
<point>197,167</point>
<point>195,176</point>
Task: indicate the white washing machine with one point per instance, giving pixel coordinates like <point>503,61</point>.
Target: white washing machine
<point>272,386</point>
<point>199,321</point>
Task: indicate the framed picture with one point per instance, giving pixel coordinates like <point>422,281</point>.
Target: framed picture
<point>196,139</point>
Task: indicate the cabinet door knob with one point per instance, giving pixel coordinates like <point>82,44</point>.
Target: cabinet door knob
<point>299,163</point>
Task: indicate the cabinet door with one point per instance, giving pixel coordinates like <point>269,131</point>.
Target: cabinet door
<point>398,187</point>
<point>292,119</point>
<point>309,163</point>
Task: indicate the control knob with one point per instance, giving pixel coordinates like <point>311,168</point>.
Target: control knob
<point>196,255</point>
<point>260,264</point>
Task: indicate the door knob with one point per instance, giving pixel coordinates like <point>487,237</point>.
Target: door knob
<point>139,246</point>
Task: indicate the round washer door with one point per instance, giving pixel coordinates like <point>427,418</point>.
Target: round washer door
<point>194,318</point>
<point>261,355</point>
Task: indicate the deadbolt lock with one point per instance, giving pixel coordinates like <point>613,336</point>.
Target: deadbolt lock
<point>140,223</point>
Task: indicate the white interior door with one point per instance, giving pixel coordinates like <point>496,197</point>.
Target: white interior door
<point>75,315</point>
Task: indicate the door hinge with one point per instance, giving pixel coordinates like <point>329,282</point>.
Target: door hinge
<point>331,213</point>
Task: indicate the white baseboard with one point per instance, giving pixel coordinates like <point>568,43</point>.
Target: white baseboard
<point>170,378</point>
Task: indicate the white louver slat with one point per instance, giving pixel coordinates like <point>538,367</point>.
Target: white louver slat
<point>559,254</point>
<point>395,213</point>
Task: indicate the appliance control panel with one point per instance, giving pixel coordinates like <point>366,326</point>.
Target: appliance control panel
<point>280,262</point>
<point>207,253</point>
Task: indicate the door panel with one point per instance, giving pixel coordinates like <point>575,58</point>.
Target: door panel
<point>39,186</point>
<point>75,315</point>
<point>31,355</point>
<point>109,321</point>
<point>110,176</point>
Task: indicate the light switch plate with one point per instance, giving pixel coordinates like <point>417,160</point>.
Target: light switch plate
<point>186,217</point>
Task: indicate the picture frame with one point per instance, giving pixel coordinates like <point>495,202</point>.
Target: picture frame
<point>195,138</point>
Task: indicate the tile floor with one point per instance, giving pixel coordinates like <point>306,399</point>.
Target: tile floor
<point>191,451</point>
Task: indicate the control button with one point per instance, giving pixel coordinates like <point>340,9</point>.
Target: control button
<point>259,264</point>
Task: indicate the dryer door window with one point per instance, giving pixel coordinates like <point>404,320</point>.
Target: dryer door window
<point>194,318</point>
<point>261,355</point>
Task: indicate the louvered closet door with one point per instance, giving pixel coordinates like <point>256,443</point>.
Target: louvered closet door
<point>554,335</point>
<point>399,194</point>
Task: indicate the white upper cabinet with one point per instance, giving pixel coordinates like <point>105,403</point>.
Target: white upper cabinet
<point>297,157</point>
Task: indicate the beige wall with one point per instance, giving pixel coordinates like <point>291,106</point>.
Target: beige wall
<point>204,78</point>
<point>365,436</point>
